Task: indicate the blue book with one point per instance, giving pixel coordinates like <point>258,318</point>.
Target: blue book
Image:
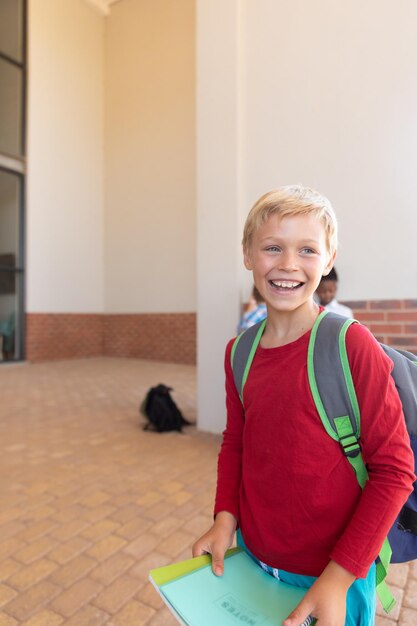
<point>245,594</point>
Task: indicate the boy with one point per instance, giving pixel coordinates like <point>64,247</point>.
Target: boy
<point>286,484</point>
<point>326,293</point>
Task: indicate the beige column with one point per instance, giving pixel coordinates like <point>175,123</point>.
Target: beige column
<point>218,198</point>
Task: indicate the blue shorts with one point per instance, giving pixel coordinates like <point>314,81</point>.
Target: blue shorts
<point>361,597</point>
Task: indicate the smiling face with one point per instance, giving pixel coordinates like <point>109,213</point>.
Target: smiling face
<point>288,256</point>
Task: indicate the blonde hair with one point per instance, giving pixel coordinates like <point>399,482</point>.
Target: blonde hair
<point>289,201</point>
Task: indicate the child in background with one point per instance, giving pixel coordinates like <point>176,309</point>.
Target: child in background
<point>326,293</point>
<point>281,481</point>
<point>255,311</point>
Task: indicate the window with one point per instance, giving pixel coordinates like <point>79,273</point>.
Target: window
<point>12,176</point>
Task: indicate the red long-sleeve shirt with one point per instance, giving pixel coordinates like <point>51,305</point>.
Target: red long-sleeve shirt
<point>294,494</point>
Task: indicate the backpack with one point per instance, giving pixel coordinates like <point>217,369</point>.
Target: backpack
<point>334,395</point>
<point>161,411</point>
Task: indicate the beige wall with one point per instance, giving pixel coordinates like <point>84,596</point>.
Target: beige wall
<point>125,243</point>
<point>150,263</point>
<point>65,155</point>
<point>331,100</point>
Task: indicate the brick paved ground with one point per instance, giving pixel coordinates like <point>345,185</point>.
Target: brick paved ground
<point>89,502</point>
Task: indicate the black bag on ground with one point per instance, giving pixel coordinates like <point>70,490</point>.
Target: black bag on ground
<point>161,411</point>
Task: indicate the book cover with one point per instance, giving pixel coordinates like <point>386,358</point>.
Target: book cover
<point>245,594</point>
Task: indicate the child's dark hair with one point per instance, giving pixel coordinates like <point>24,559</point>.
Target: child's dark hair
<point>255,293</point>
<point>332,275</point>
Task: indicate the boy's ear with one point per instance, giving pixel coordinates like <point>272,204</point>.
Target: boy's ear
<point>246,260</point>
<point>332,259</point>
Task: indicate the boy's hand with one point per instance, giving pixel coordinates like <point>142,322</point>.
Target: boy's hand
<point>217,540</point>
<point>326,599</point>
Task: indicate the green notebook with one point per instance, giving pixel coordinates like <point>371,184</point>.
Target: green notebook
<point>245,594</point>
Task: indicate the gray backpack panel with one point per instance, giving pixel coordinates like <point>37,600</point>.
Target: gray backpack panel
<point>241,354</point>
<point>405,377</point>
<point>328,371</point>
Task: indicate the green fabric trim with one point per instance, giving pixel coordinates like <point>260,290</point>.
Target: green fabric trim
<point>344,427</point>
<point>359,469</point>
<point>385,596</point>
<point>347,438</point>
<point>312,378</point>
<point>385,558</point>
<point>349,443</point>
<point>251,356</point>
<point>348,376</point>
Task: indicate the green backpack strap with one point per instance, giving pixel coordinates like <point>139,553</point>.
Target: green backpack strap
<point>332,387</point>
<point>243,352</point>
<point>335,398</point>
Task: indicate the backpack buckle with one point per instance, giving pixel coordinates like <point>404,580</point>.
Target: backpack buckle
<point>350,446</point>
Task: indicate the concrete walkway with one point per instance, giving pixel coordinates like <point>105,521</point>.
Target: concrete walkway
<point>89,503</point>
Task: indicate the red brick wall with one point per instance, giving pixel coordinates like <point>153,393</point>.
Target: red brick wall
<point>157,336</point>
<point>167,337</point>
<point>52,336</point>
<point>393,322</point>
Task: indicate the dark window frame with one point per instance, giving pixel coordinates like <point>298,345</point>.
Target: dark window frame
<point>20,172</point>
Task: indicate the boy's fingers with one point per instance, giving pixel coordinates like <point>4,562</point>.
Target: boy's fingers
<point>298,616</point>
<point>217,558</point>
<point>217,562</point>
<point>198,550</point>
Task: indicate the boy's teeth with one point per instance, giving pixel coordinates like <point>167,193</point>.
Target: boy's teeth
<point>286,284</point>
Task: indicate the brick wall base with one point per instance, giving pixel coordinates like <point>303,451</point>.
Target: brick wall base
<point>167,337</point>
<point>393,322</point>
<point>54,336</point>
<point>171,337</point>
